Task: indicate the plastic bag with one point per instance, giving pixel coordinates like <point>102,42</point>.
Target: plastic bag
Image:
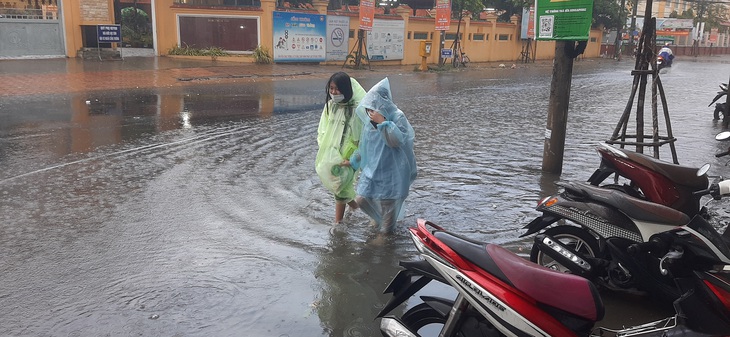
<point>336,178</point>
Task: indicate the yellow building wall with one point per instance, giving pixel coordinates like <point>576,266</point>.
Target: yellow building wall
<point>166,26</point>
<point>80,13</point>
<point>491,49</point>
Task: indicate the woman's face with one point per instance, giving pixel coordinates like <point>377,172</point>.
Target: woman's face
<point>333,89</point>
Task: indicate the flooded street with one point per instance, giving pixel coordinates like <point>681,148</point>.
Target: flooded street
<point>196,211</point>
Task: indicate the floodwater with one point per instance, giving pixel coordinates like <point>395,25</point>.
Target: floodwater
<point>196,211</point>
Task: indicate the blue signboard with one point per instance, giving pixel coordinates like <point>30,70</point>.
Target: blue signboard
<point>108,33</point>
<point>447,53</point>
<point>299,37</point>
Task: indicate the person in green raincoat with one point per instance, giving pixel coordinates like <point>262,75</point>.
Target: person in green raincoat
<point>338,136</point>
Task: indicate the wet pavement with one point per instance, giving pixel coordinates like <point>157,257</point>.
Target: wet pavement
<point>162,197</point>
<point>54,76</point>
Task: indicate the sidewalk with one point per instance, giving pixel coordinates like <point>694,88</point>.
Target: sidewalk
<point>66,75</point>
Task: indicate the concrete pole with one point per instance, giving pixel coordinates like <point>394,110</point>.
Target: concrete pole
<point>557,118</point>
<point>633,27</point>
<point>619,32</point>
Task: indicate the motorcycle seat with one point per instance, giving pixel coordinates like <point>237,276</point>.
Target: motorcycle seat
<point>632,207</point>
<point>680,175</point>
<point>567,292</point>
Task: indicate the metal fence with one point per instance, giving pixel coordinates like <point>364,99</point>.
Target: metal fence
<point>30,14</point>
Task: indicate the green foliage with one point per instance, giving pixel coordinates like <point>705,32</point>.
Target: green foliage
<point>507,8</point>
<point>189,51</point>
<point>351,61</point>
<point>607,13</point>
<point>688,14</point>
<point>459,6</point>
<point>712,14</point>
<point>136,27</point>
<point>261,55</point>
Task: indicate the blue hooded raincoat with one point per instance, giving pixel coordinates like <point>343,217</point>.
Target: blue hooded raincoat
<point>385,156</point>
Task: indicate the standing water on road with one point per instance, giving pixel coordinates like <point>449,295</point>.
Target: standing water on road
<point>196,211</point>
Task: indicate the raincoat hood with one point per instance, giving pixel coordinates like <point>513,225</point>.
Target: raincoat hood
<point>380,99</point>
<point>385,155</point>
<point>358,92</point>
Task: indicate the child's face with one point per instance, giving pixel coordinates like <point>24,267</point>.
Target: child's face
<point>333,89</point>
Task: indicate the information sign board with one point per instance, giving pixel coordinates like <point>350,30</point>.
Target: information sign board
<point>563,19</point>
<point>108,33</point>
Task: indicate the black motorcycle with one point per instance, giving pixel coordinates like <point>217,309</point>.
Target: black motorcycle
<point>721,108</point>
<point>587,230</point>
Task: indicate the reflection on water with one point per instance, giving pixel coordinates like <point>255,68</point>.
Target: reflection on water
<point>353,276</point>
<point>196,211</point>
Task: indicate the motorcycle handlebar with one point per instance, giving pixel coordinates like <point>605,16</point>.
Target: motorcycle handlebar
<point>716,190</point>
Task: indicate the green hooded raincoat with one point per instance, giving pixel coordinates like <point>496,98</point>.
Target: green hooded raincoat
<point>338,136</point>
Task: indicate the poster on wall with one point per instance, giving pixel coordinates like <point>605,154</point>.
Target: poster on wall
<point>338,34</point>
<point>299,37</point>
<point>564,19</point>
<point>386,40</point>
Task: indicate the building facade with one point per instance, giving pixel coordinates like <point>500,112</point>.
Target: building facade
<point>34,28</point>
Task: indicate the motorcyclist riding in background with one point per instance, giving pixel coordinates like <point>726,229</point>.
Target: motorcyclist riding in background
<point>666,50</point>
<point>665,57</point>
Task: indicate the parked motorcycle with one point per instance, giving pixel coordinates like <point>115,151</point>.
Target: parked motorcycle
<point>599,224</point>
<point>651,179</point>
<point>720,108</point>
<point>502,294</point>
<point>597,227</point>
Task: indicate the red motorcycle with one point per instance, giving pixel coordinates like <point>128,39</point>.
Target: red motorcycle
<point>651,179</point>
<point>502,294</point>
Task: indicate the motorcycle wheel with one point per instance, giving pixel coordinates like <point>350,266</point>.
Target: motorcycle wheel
<point>576,238</point>
<point>426,321</point>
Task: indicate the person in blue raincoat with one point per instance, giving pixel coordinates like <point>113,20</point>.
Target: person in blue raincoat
<point>385,158</point>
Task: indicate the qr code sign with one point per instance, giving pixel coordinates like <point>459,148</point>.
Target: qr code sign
<point>546,26</point>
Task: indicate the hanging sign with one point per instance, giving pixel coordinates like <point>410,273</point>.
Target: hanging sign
<point>563,19</point>
<point>527,28</point>
<point>443,14</point>
<point>367,14</point>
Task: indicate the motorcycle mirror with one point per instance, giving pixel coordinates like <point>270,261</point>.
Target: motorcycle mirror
<point>723,135</point>
<point>703,170</point>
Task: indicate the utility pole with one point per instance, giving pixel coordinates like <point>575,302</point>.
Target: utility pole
<point>635,4</point>
<point>557,118</point>
<point>619,32</point>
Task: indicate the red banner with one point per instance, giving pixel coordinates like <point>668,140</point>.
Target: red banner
<point>367,14</point>
<point>531,24</point>
<point>443,14</point>
<point>713,35</point>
